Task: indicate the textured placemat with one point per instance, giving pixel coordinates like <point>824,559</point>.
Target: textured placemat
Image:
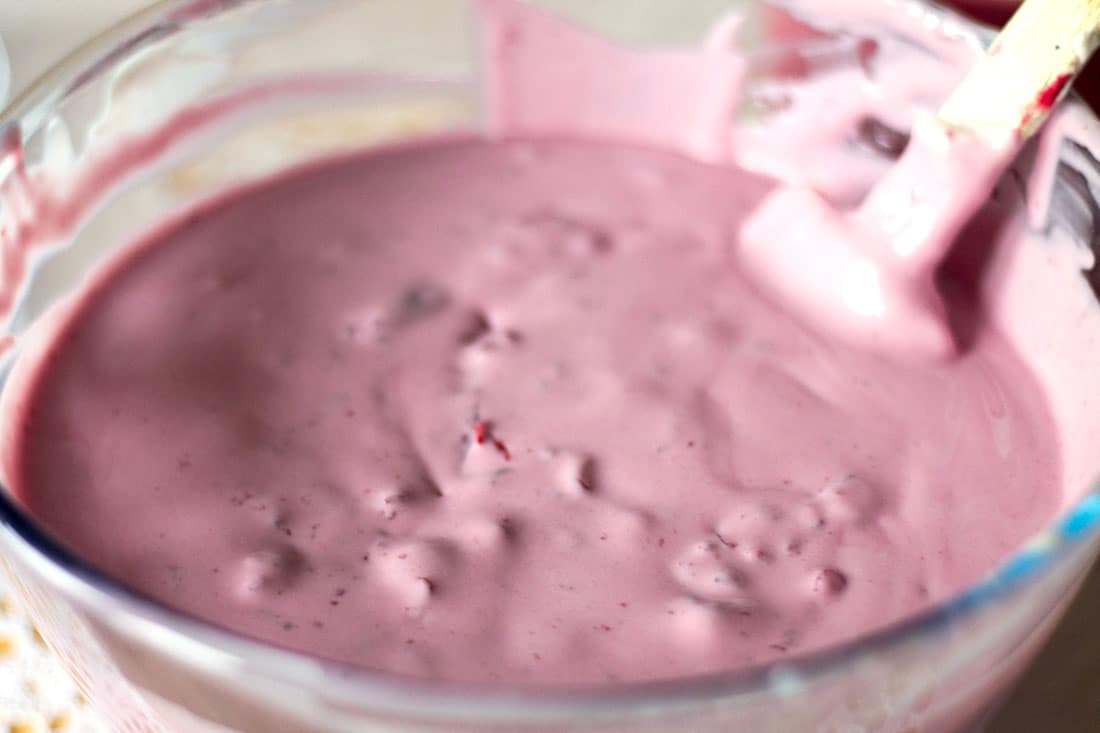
<point>36,696</point>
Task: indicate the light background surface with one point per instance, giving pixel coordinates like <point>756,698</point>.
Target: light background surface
<point>1061,694</point>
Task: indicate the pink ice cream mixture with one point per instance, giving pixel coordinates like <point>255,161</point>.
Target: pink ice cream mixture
<point>514,411</point>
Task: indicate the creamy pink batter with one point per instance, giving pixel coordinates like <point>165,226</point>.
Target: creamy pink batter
<point>535,427</point>
<point>510,411</point>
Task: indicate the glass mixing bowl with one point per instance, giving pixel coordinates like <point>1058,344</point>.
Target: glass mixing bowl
<point>219,92</point>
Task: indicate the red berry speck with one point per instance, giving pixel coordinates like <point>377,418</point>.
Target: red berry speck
<point>1049,96</point>
<point>483,433</point>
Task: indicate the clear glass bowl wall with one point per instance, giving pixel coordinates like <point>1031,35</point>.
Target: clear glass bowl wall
<point>395,69</point>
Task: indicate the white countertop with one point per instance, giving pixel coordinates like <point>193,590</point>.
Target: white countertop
<point>1061,694</point>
